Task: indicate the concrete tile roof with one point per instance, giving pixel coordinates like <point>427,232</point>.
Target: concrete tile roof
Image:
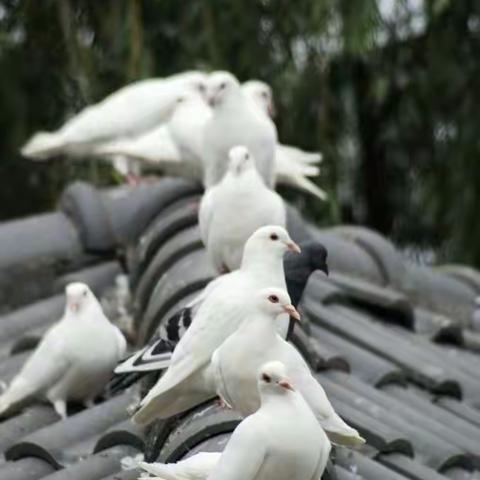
<point>391,342</point>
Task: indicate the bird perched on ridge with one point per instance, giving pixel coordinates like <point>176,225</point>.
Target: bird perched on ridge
<point>261,93</point>
<point>255,342</point>
<point>292,165</point>
<point>132,110</point>
<point>75,358</point>
<point>219,314</point>
<point>175,146</point>
<point>236,207</point>
<point>156,355</point>
<point>280,441</point>
<point>236,121</point>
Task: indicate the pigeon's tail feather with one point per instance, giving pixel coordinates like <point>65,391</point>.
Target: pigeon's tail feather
<point>43,145</point>
<point>340,433</point>
<point>18,391</point>
<point>162,471</point>
<point>151,358</point>
<point>197,467</point>
<point>308,186</point>
<point>310,171</point>
<point>310,158</point>
<point>168,403</point>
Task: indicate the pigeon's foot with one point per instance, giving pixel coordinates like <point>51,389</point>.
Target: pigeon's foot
<point>223,404</point>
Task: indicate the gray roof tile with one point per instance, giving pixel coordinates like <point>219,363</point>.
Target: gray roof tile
<point>189,274</point>
<point>387,258</point>
<point>28,468</point>
<point>183,242</point>
<point>65,442</point>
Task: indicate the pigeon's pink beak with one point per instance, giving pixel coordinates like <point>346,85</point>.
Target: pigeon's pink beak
<point>292,311</point>
<point>211,98</point>
<point>286,384</point>
<point>271,110</point>
<point>293,247</point>
<point>74,307</point>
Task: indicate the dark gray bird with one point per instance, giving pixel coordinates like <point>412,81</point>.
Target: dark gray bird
<point>156,354</point>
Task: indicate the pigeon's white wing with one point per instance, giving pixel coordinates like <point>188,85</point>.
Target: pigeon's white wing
<point>215,321</point>
<point>206,211</point>
<point>244,454</point>
<point>322,460</point>
<point>156,146</point>
<point>208,290</point>
<point>157,354</point>
<point>45,367</point>
<point>314,394</point>
<point>129,111</point>
<point>197,467</point>
<point>121,342</point>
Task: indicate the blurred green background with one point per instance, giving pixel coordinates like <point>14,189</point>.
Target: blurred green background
<point>388,90</point>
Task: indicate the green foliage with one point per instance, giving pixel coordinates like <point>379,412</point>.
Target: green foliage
<point>390,99</point>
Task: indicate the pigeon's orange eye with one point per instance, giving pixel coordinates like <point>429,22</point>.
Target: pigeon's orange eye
<point>264,94</point>
<point>266,378</point>
<point>273,236</point>
<point>273,298</point>
<point>246,156</point>
<point>222,85</point>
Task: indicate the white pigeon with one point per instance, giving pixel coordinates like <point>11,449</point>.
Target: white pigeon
<point>280,441</point>
<point>236,207</point>
<point>75,358</point>
<point>132,110</point>
<point>261,93</point>
<point>221,311</point>
<point>255,342</point>
<point>236,121</point>
<point>173,147</point>
<point>292,165</point>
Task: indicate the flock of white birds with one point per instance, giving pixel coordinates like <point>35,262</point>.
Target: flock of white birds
<point>183,125</point>
<point>212,129</point>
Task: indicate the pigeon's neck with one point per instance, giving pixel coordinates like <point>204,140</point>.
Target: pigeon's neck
<point>261,327</point>
<point>250,179</point>
<point>234,102</point>
<point>262,264</point>
<point>277,400</point>
<point>91,312</point>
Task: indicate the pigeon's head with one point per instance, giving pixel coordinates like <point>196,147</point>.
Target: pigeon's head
<point>314,254</point>
<point>78,296</point>
<point>222,86</point>
<point>273,378</point>
<point>276,301</point>
<point>188,98</point>
<point>197,82</point>
<point>261,94</point>
<point>270,239</point>
<point>240,160</point>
